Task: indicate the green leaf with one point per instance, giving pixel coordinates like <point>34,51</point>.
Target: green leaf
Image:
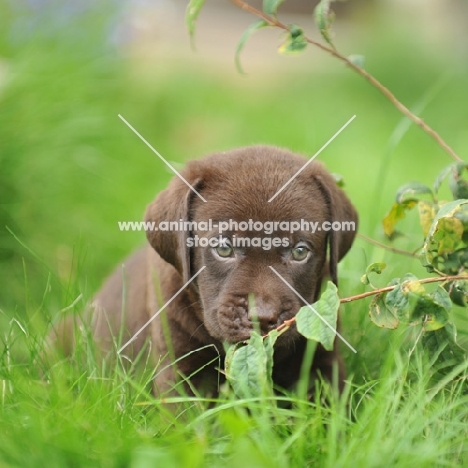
<point>377,267</point>
<point>442,175</point>
<point>396,213</point>
<point>442,297</point>
<point>412,188</point>
<point>358,60</point>
<point>191,14</point>
<point>269,343</point>
<point>444,343</point>
<point>246,368</point>
<point>397,302</point>
<point>295,41</point>
<point>270,7</point>
<point>458,291</point>
<point>458,185</point>
<point>402,299</point>
<point>338,179</point>
<point>409,303</point>
<point>310,325</point>
<point>231,349</point>
<point>245,35</point>
<point>380,314</point>
<point>324,18</point>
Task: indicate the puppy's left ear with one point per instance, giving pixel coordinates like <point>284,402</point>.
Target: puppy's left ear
<point>342,210</point>
<point>173,205</point>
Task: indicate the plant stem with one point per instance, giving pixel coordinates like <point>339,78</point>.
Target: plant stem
<point>367,76</point>
<point>286,323</point>
<point>436,279</point>
<point>387,247</point>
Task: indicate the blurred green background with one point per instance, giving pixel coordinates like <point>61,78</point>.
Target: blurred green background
<point>70,169</point>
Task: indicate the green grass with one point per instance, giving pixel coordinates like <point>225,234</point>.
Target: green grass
<point>82,415</point>
<point>70,170</point>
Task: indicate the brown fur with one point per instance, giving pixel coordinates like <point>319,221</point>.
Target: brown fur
<point>214,308</point>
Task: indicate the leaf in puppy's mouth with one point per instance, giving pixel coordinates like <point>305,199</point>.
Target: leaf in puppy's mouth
<point>249,366</point>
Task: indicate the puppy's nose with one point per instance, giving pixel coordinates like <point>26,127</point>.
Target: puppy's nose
<point>265,314</point>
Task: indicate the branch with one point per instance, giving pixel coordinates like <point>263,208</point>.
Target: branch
<point>286,324</point>
<point>387,247</point>
<point>367,76</point>
<point>436,279</point>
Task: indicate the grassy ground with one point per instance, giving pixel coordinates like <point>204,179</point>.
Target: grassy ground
<point>70,170</point>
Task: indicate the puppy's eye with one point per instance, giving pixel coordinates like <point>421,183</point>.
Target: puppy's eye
<point>225,249</point>
<point>300,253</point>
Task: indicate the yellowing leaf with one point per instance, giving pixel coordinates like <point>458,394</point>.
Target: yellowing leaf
<point>428,312</point>
<point>426,215</point>
<point>449,234</point>
<point>396,213</point>
<point>445,246</point>
<point>412,286</point>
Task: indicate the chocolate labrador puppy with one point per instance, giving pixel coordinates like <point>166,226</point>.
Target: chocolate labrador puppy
<point>228,261</point>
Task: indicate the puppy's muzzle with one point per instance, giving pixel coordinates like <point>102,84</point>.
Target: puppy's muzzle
<point>237,320</point>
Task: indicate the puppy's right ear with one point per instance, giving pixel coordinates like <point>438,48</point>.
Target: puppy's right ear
<point>341,209</point>
<point>172,204</point>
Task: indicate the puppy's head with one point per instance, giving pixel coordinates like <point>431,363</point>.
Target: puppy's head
<point>245,242</point>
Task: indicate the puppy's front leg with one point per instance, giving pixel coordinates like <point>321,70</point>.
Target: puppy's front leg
<point>186,356</point>
<point>119,310</point>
